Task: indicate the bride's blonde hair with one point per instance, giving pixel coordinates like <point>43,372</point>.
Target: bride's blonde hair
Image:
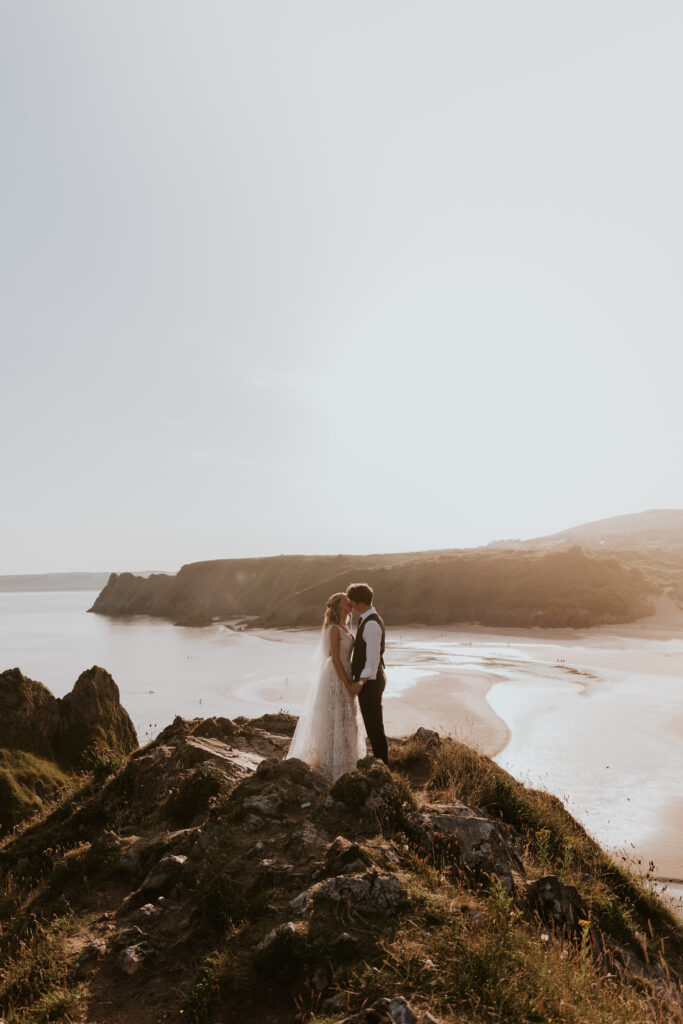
<point>333,613</point>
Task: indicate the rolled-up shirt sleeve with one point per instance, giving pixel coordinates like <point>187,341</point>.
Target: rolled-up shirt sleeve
<point>372,634</point>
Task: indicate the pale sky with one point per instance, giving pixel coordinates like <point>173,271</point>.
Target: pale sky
<point>305,276</point>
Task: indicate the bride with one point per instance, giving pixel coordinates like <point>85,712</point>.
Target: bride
<point>328,736</point>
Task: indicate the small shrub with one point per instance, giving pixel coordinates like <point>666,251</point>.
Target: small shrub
<point>192,796</point>
<point>102,761</point>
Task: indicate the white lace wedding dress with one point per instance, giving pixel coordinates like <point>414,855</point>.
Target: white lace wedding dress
<point>329,735</point>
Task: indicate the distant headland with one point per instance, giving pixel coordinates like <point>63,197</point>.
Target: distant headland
<point>600,573</point>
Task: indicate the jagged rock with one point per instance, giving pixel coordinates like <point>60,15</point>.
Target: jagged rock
<point>398,1009</point>
<point>131,959</point>
<point>62,729</point>
<point>282,933</point>
<point>371,789</point>
<point>268,802</point>
<point>427,736</point>
<point>278,789</point>
<point>476,843</point>
<point>146,913</point>
<point>154,758</point>
<point>557,903</point>
<point>272,868</point>
<point>281,723</point>
<point>366,894</point>
<point>344,857</point>
<point>202,750</point>
<point>384,1011</point>
<point>167,871</point>
<point>301,903</point>
<point>182,840</point>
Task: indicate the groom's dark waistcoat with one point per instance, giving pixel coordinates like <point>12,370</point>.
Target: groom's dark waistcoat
<point>359,656</point>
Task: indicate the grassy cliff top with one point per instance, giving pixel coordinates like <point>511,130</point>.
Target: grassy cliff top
<point>205,879</point>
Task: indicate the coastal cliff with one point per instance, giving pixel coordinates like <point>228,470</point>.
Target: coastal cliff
<point>45,739</point>
<point>205,878</point>
<point>566,587</point>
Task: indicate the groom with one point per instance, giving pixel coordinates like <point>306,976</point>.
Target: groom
<point>367,666</point>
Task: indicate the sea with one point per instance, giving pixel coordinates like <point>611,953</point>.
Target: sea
<point>595,719</point>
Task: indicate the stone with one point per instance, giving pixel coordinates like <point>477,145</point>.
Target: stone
<point>165,872</point>
<point>131,959</point>
<point>281,723</point>
<point>370,893</point>
<point>197,750</point>
<point>301,903</point>
<point>556,903</point>
<point>385,1011</point>
<point>281,933</point>
<point>146,912</point>
<point>268,802</point>
<point>398,1010</point>
<point>477,843</point>
<point>273,868</point>
<point>344,857</point>
<point>427,736</point>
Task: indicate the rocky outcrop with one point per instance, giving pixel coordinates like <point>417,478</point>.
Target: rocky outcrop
<point>32,719</point>
<point>473,842</point>
<point>44,739</point>
<point>279,894</point>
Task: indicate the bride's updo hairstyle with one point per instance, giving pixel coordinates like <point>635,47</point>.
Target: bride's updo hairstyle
<point>333,613</point>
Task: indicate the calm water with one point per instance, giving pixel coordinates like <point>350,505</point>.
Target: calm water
<point>601,739</point>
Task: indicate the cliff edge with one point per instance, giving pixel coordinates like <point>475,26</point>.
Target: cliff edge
<point>207,879</point>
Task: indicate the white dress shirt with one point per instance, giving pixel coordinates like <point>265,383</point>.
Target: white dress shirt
<point>372,634</point>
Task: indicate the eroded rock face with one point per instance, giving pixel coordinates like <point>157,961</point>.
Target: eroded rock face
<point>280,789</point>
<point>32,719</point>
<point>472,841</point>
<point>369,893</point>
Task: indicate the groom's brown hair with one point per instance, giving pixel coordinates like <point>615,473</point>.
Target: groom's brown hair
<point>361,592</point>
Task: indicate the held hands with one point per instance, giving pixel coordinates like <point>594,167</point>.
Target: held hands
<point>354,689</point>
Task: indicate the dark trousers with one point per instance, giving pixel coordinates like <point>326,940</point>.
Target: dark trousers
<point>370,700</point>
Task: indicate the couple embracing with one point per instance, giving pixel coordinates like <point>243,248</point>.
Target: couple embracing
<point>349,675</point>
